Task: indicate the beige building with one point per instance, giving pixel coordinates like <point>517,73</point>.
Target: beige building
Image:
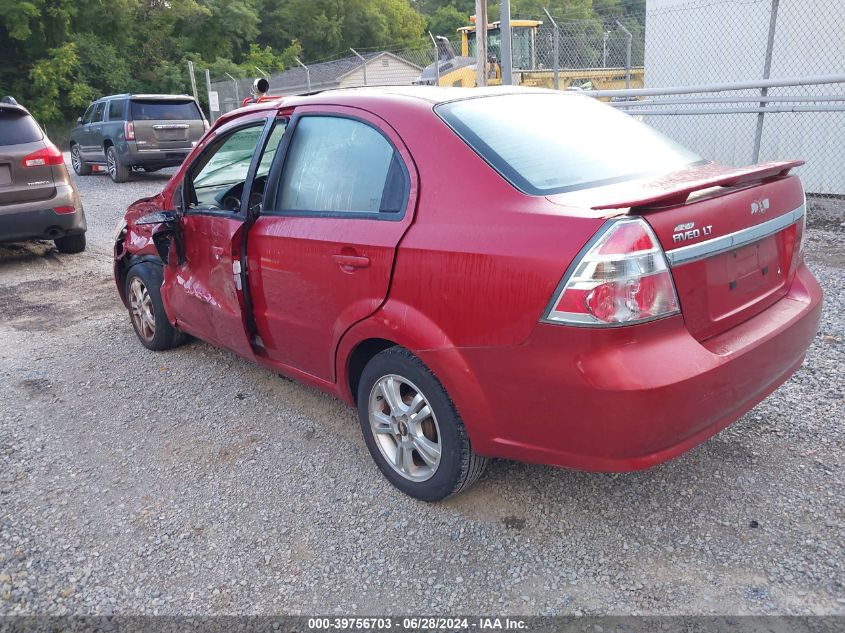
<point>380,68</point>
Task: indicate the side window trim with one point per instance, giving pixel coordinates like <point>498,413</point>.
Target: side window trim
<point>266,126</point>
<point>274,178</point>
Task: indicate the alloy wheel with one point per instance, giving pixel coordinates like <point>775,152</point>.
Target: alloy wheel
<point>405,427</point>
<point>143,312</point>
<point>76,159</point>
<point>112,164</point>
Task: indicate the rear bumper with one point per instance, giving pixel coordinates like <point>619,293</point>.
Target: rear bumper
<point>624,399</point>
<point>131,154</point>
<point>38,220</point>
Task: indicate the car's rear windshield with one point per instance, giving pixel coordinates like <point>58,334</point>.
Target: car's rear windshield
<point>161,110</point>
<point>17,127</point>
<point>551,143</point>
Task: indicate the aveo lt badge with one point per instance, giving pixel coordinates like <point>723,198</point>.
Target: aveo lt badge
<point>687,231</point>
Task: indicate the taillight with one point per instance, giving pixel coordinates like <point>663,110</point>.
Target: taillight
<point>129,130</point>
<point>65,209</point>
<point>50,155</point>
<point>622,279</point>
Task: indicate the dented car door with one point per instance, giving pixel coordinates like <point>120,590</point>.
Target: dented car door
<point>202,284</point>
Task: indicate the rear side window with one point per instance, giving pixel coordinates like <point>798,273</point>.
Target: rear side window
<point>160,110</point>
<point>17,128</point>
<point>117,109</point>
<point>551,143</point>
<point>338,165</point>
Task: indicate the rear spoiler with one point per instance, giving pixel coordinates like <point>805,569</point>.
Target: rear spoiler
<point>675,188</point>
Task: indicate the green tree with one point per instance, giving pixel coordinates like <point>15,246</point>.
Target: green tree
<point>54,84</point>
<point>328,27</point>
<point>446,20</point>
<point>225,29</point>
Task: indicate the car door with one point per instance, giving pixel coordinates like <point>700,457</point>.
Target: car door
<point>203,290</point>
<point>320,255</point>
<point>80,134</point>
<point>93,149</point>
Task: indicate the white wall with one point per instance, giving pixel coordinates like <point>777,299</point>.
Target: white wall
<point>385,70</point>
<point>691,42</point>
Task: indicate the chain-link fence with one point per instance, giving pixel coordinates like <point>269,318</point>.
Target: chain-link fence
<point>394,67</point>
<point>674,44</point>
<point>715,42</point>
<point>546,53</point>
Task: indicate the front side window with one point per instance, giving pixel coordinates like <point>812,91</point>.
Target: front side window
<point>217,179</point>
<point>343,166</point>
<point>551,143</point>
<point>86,118</point>
<point>99,109</point>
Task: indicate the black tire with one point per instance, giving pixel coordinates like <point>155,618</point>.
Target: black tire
<point>162,335</point>
<point>79,166</point>
<point>458,467</point>
<point>70,244</point>
<point>117,170</point>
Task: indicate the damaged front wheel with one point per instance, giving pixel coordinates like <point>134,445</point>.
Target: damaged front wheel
<point>143,295</point>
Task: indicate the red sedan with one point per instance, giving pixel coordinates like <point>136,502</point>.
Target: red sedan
<point>482,273</point>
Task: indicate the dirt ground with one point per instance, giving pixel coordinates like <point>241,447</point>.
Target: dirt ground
<point>192,482</point>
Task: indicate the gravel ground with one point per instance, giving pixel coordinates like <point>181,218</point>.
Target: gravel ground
<point>193,482</point>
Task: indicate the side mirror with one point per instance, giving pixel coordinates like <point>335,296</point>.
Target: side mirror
<point>79,120</point>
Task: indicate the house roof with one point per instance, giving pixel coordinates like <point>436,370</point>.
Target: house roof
<point>328,73</point>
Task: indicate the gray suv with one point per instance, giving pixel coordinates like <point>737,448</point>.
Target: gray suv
<point>38,199</point>
<point>129,132</point>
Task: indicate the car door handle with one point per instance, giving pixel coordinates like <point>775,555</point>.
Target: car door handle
<point>351,261</point>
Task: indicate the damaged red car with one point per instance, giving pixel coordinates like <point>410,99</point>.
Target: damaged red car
<point>482,273</point>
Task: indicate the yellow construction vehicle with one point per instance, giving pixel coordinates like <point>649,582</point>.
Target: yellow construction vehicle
<point>460,70</point>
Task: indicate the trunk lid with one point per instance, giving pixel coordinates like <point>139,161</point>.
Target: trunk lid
<point>20,184</point>
<point>20,136</point>
<point>731,236</point>
<point>166,123</point>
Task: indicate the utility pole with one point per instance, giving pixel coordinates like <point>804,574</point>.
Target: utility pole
<point>480,42</point>
<point>193,80</point>
<point>507,59</point>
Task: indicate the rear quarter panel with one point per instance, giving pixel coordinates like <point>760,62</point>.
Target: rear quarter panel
<point>481,260</point>
<point>475,270</point>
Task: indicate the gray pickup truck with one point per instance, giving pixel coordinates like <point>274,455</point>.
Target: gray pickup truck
<point>128,132</point>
